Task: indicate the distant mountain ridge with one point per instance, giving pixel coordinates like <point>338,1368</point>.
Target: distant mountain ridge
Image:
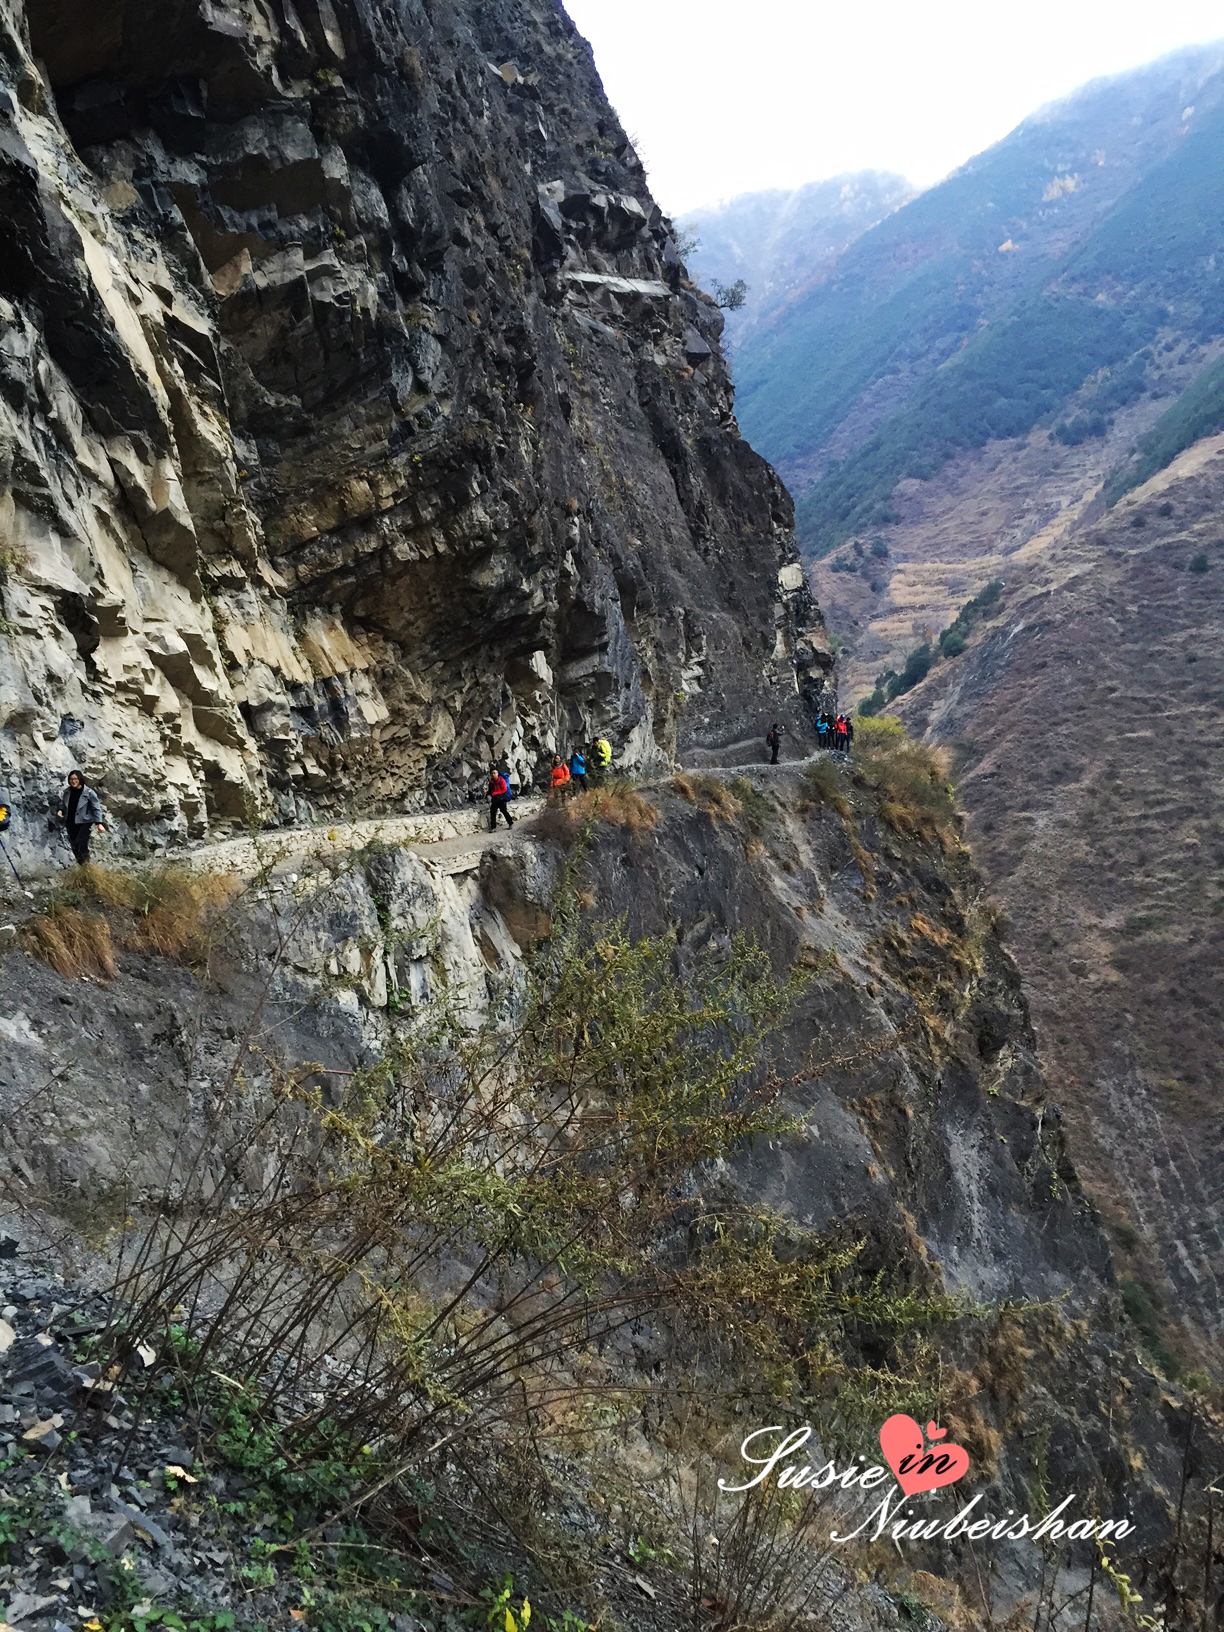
<point>783,242</point>
<point>981,306</point>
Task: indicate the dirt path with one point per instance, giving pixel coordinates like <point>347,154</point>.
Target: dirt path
<point>452,840</point>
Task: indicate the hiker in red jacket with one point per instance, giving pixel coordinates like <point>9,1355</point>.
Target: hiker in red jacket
<point>839,734</point>
<point>499,796</point>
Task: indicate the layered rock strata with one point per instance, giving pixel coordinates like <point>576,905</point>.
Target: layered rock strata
<point>358,420</point>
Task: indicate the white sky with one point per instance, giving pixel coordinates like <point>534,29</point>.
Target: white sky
<point>731,96</point>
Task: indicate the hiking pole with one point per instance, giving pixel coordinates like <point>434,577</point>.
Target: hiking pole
<point>9,859</point>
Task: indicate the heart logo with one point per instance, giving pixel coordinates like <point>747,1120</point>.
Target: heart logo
<point>916,1466</point>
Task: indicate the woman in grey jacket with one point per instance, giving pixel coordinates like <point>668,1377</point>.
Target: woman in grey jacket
<point>80,811</point>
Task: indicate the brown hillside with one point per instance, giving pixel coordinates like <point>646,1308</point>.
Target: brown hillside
<point>989,513</point>
<point>1087,731</point>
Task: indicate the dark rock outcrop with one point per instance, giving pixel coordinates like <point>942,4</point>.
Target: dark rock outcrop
<point>359,420</point>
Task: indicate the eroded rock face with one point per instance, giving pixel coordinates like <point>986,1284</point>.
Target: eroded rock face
<point>359,422</point>
<point>923,1132</point>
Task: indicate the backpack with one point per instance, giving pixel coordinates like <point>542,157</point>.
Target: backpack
<point>5,816</point>
<point>604,749</point>
<point>771,737</point>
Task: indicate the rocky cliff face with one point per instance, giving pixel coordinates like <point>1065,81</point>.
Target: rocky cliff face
<point>922,1132</point>
<point>358,420</point>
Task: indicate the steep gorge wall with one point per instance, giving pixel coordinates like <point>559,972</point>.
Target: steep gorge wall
<point>358,420</point>
<point>922,1132</point>
<point>1104,838</point>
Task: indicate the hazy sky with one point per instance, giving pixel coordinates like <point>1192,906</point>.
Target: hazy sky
<point>726,98</point>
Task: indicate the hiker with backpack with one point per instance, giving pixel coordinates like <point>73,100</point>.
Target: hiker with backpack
<point>839,733</point>
<point>558,778</point>
<point>773,741</point>
<point>849,731</point>
<point>577,769</point>
<point>500,794</point>
<point>822,730</point>
<point>600,757</point>
<point>80,810</point>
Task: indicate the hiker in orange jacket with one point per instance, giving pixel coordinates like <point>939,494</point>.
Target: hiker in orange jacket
<point>558,777</point>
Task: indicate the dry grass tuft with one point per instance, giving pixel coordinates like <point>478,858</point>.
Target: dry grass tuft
<point>910,780</point>
<point>172,906</point>
<point>164,909</point>
<point>709,793</point>
<point>619,805</point>
<point>12,559</point>
<point>74,943</point>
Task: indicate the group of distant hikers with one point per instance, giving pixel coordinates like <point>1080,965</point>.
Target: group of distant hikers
<point>80,810</point>
<point>834,732</point>
<point>565,777</point>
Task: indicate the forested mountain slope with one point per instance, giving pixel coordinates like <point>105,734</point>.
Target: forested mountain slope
<point>1048,257</point>
<point>1041,329</point>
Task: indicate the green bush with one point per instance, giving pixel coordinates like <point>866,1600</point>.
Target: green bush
<point>1148,1318</point>
<point>1071,432</point>
<point>917,667</point>
<point>1198,563</point>
<point>952,640</point>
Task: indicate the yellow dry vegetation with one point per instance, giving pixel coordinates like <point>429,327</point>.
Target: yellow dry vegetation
<point>73,942</point>
<point>708,793</point>
<point>910,780</point>
<point>618,805</point>
<point>159,909</point>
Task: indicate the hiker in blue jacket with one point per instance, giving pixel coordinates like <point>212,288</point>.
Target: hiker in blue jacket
<point>80,810</point>
<point>578,769</point>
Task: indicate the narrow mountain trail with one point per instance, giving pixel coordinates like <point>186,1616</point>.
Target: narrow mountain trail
<point>451,840</point>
